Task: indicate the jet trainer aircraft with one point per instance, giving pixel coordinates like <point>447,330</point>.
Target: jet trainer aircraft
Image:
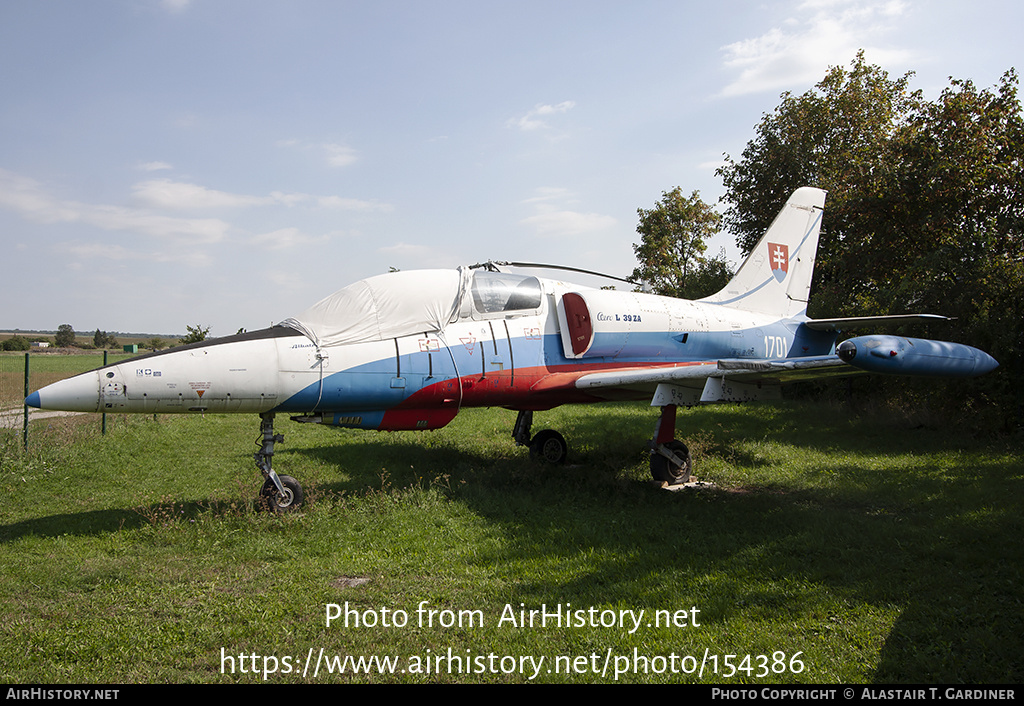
<point>408,350</point>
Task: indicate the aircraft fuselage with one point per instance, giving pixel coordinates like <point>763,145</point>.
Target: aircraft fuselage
<point>420,381</point>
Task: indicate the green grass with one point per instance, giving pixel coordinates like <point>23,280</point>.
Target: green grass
<point>870,549</point>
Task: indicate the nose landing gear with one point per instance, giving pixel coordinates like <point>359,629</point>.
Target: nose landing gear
<point>279,493</point>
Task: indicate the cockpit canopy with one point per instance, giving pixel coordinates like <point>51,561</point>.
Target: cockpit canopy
<point>404,303</point>
<point>502,292</point>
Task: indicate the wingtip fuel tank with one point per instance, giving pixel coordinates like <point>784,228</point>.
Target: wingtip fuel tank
<point>914,356</point>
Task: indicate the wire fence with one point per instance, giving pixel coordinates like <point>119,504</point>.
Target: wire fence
<point>24,373</point>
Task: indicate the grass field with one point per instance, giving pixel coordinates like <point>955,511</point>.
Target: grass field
<point>837,546</point>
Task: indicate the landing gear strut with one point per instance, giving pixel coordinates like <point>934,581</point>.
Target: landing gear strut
<point>548,445</point>
<point>279,493</point>
<point>670,459</point>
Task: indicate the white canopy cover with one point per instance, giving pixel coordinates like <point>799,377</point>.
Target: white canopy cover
<point>386,306</point>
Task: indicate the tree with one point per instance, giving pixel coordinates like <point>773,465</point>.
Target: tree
<point>672,246</point>
<point>65,337</point>
<point>156,343</point>
<point>836,137</point>
<point>101,339</point>
<point>195,334</point>
<point>948,232</point>
<point>925,209</point>
<point>16,343</point>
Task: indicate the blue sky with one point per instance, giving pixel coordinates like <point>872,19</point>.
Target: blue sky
<point>228,163</point>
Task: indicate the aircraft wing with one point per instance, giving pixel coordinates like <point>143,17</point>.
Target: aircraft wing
<point>744,379</point>
<point>725,380</point>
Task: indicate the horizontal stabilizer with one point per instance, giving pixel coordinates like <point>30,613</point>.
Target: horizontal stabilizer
<point>852,322</point>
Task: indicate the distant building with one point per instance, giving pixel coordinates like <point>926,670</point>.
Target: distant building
<point>132,348</point>
<point>40,344</point>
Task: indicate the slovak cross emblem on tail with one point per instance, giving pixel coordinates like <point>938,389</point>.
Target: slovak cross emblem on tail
<point>779,257</point>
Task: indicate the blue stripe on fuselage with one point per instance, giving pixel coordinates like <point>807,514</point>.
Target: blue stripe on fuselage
<point>375,386</point>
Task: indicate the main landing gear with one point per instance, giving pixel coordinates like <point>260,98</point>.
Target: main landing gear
<point>670,459</point>
<point>548,445</point>
<point>279,493</point>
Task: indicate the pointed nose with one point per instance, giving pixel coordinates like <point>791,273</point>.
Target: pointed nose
<point>78,394</point>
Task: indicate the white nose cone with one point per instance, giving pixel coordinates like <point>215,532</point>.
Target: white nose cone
<point>78,394</point>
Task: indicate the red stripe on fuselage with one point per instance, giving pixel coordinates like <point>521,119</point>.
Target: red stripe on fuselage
<point>536,388</point>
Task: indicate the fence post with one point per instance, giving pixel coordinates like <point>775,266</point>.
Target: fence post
<point>103,427</point>
<point>24,432</point>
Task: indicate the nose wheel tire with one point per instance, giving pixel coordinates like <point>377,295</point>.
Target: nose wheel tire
<point>276,501</point>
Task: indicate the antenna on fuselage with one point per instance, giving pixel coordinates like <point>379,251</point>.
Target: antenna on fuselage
<point>493,265</point>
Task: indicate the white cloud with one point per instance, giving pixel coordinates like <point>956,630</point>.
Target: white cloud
<point>823,33</point>
<point>536,119</point>
<point>408,250</point>
<point>28,198</point>
<point>337,202</point>
<point>405,255</point>
<point>712,165</point>
<point>287,238</point>
<point>553,217</point>
<point>175,5</point>
<point>569,222</point>
<point>339,155</point>
<point>180,196</point>
<point>336,154</point>
<point>170,195</point>
<point>283,280</point>
<point>547,194</point>
<point>111,252</point>
<point>172,238</point>
<point>198,230</point>
<point>154,166</point>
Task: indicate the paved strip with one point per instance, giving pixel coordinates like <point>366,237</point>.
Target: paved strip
<point>14,418</point>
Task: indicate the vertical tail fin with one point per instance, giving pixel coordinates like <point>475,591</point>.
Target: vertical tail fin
<point>776,276</point>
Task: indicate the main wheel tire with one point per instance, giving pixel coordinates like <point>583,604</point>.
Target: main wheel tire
<point>662,469</point>
<point>275,501</point>
<point>549,446</point>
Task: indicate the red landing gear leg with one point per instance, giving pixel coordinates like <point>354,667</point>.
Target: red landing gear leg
<point>670,459</point>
